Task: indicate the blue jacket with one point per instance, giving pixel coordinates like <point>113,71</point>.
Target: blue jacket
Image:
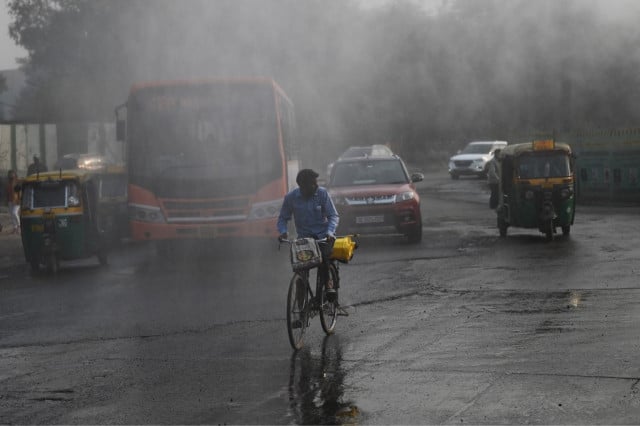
<point>315,217</point>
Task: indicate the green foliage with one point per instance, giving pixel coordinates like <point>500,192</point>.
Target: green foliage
<point>421,80</point>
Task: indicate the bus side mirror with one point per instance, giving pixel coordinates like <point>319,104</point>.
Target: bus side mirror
<point>121,123</point>
<point>120,130</point>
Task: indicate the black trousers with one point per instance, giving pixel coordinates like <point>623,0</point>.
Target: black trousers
<point>323,270</point>
<point>493,200</point>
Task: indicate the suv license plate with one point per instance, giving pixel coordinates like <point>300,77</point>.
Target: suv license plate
<point>369,219</point>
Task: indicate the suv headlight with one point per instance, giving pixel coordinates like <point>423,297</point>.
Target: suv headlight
<point>405,196</point>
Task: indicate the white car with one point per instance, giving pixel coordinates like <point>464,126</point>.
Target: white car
<point>473,159</point>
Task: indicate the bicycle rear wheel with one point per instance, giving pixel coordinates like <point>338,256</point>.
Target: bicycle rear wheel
<point>297,310</point>
<point>329,309</point>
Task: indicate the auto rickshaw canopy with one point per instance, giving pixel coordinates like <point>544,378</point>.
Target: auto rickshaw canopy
<point>515,150</point>
<point>76,174</point>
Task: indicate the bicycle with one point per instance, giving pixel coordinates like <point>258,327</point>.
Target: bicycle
<point>303,304</point>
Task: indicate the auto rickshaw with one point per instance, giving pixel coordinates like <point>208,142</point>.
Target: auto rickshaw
<point>63,217</point>
<point>537,187</point>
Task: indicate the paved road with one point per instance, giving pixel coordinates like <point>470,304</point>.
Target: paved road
<point>463,328</point>
<point>10,245</point>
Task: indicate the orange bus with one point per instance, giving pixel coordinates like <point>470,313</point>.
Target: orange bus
<point>207,158</point>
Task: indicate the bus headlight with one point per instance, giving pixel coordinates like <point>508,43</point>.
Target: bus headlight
<point>143,213</point>
<point>265,210</point>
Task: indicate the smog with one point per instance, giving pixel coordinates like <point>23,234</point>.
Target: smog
<point>422,77</point>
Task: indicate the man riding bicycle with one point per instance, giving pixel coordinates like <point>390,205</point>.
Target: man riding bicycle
<point>314,215</point>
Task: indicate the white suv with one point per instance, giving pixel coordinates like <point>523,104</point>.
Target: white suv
<point>473,159</point>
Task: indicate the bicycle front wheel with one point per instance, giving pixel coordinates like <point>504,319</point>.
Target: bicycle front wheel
<point>329,308</point>
<point>297,310</point>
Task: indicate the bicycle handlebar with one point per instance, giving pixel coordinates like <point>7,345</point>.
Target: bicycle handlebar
<point>322,240</point>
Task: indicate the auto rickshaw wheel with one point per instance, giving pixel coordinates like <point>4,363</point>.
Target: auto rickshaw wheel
<point>53,264</point>
<point>502,227</point>
<point>566,229</point>
<point>548,232</point>
<point>102,257</point>
<point>35,264</point>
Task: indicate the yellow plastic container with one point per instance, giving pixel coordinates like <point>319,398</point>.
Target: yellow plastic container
<point>343,249</point>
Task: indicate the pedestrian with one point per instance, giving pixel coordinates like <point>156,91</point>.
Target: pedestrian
<point>493,176</point>
<point>315,216</point>
<point>36,166</point>
<point>13,200</point>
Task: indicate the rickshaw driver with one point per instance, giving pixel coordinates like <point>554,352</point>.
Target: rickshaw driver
<point>493,176</point>
<point>315,216</point>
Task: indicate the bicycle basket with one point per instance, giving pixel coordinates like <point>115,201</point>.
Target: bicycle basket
<point>305,254</point>
<point>343,249</point>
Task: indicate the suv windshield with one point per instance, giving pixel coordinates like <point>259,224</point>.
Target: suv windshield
<point>379,172</point>
<point>479,148</point>
<point>367,151</point>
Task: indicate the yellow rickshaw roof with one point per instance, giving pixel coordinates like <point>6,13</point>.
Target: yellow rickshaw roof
<point>79,174</point>
<point>515,150</point>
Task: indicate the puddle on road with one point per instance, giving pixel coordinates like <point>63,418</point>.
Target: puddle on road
<point>316,386</point>
<point>553,326</point>
<point>550,303</point>
<point>555,303</point>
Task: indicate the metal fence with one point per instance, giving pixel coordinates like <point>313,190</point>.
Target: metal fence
<point>607,165</point>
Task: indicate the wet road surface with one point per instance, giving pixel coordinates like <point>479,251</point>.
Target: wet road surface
<point>465,327</point>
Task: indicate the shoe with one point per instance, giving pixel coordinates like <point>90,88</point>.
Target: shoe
<point>330,291</point>
<point>332,294</point>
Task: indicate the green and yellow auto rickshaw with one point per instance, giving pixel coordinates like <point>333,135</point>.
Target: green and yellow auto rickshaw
<point>537,187</point>
<point>64,217</point>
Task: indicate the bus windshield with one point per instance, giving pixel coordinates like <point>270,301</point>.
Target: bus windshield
<point>203,132</point>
